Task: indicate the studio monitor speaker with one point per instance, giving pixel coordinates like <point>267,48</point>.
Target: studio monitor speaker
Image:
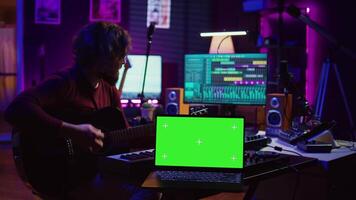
<point>278,113</point>
<point>174,102</point>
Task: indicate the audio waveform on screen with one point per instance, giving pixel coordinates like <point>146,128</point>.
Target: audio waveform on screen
<point>230,94</point>
<point>225,78</point>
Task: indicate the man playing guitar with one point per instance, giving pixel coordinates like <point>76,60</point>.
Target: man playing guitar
<point>54,118</point>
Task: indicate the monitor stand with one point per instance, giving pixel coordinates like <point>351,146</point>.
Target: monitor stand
<point>227,110</point>
<point>232,111</point>
<point>251,129</point>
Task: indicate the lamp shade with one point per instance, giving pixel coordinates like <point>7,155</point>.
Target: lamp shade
<point>221,42</point>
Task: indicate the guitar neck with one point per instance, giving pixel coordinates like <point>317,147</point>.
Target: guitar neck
<point>116,137</point>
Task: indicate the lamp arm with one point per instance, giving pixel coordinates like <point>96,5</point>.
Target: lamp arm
<point>217,50</point>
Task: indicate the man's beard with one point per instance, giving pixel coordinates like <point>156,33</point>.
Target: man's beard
<point>111,78</point>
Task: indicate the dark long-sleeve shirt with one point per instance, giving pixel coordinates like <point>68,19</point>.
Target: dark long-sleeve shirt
<point>39,112</point>
<point>62,97</point>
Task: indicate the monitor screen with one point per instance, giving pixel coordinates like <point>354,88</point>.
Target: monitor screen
<point>134,77</point>
<point>225,78</point>
<point>189,141</point>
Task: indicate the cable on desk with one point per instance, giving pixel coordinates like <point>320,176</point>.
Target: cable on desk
<point>346,144</point>
<point>277,148</point>
<point>352,147</point>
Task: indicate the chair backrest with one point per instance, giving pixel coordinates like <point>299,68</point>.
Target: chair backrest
<point>17,152</point>
<point>17,155</point>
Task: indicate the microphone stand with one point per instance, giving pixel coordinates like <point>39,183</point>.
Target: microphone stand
<point>148,49</point>
<point>280,38</point>
<point>41,56</point>
<point>295,12</point>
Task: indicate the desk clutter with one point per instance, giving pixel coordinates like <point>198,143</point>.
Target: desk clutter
<point>127,163</point>
<point>130,162</point>
<point>317,139</point>
<point>251,143</point>
<point>307,141</point>
<point>296,132</point>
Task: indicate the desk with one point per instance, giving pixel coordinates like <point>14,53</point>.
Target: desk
<point>325,158</point>
<point>329,178</point>
<point>252,177</point>
<point>332,179</point>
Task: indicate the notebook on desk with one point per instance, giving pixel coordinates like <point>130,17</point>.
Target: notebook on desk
<point>198,151</point>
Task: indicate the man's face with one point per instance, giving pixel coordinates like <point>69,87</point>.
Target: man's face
<point>109,70</point>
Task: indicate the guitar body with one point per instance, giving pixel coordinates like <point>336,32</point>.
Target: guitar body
<point>53,166</point>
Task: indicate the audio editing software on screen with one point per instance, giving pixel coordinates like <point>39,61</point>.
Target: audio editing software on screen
<point>225,78</point>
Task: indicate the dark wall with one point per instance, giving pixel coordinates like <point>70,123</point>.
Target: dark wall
<point>336,17</point>
<point>188,18</point>
<point>229,15</point>
<point>338,21</point>
<point>56,39</point>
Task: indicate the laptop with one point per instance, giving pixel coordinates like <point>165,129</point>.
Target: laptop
<point>198,152</point>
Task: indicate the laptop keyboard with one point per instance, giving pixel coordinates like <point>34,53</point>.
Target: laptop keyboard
<point>199,176</point>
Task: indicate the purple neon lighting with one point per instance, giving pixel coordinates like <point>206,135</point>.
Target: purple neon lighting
<point>124,101</point>
<point>105,11</point>
<point>313,53</point>
<point>265,31</point>
<point>136,101</point>
<point>19,46</point>
<point>312,44</point>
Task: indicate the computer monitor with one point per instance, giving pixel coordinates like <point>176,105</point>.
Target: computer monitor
<point>134,77</point>
<point>239,79</point>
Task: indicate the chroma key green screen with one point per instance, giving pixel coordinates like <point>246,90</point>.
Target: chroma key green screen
<point>187,141</point>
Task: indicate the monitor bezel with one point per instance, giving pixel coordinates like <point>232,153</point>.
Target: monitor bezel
<point>159,97</point>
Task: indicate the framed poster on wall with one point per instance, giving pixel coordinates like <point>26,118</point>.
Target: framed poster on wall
<point>105,10</point>
<point>159,11</point>
<point>48,12</point>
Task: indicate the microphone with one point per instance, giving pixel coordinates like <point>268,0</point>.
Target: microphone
<point>284,76</point>
<point>150,31</point>
<point>296,13</point>
<point>293,11</point>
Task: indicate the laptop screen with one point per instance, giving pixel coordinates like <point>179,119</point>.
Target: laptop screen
<point>189,141</point>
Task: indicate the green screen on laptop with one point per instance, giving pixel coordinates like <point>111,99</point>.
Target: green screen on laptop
<point>199,142</point>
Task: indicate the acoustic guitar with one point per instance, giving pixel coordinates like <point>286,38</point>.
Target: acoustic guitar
<point>52,166</point>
